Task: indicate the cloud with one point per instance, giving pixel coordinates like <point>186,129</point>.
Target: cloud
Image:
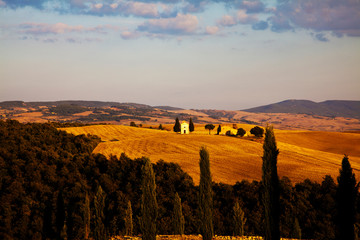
<point>227,21</point>
<point>321,37</point>
<point>44,28</point>
<point>19,3</point>
<point>181,24</point>
<point>127,35</point>
<point>261,25</point>
<point>339,17</point>
<point>244,18</point>
<point>61,28</point>
<point>2,3</point>
<point>211,30</point>
<point>241,18</point>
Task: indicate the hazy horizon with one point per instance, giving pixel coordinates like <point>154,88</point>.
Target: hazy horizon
<point>209,54</point>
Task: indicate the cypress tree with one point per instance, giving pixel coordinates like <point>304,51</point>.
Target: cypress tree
<point>99,205</point>
<point>177,126</point>
<point>60,217</point>
<point>205,196</point>
<point>178,217</point>
<point>239,220</point>
<point>86,217</point>
<point>149,207</point>
<point>191,125</point>
<point>219,129</point>
<point>128,220</point>
<point>296,230</point>
<point>345,200</point>
<point>270,181</point>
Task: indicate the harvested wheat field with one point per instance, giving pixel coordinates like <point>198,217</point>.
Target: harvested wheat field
<point>303,154</point>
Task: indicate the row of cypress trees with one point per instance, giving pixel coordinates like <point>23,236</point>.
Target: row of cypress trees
<point>346,197</point>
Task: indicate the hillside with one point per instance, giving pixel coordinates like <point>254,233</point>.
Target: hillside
<point>94,112</point>
<point>335,108</point>
<point>303,154</point>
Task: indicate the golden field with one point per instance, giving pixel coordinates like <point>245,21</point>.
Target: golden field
<point>303,154</point>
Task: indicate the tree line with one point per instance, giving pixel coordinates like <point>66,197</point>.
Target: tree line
<point>53,187</point>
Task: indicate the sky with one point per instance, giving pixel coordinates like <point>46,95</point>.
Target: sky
<point>199,54</point>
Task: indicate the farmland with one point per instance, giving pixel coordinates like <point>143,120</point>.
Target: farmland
<point>303,154</point>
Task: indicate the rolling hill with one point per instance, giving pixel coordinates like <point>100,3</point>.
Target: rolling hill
<point>334,108</point>
<point>303,154</point>
<point>290,115</point>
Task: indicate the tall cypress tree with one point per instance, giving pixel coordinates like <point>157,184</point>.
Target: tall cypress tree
<point>178,217</point>
<point>60,217</point>
<point>205,196</point>
<point>191,125</point>
<point>149,207</point>
<point>99,205</point>
<point>345,200</point>
<point>239,220</point>
<point>128,220</point>
<point>86,217</point>
<point>177,126</point>
<point>270,180</point>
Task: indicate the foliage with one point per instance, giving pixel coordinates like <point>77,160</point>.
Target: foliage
<point>191,125</point>
<point>240,132</point>
<point>133,124</point>
<point>99,205</point>
<point>270,180</point>
<point>161,127</point>
<point>129,220</point>
<point>46,174</point>
<point>149,208</point>
<point>345,201</point>
<point>177,126</point>
<point>209,127</point>
<point>239,220</point>
<point>178,217</point>
<point>205,196</point>
<point>257,131</point>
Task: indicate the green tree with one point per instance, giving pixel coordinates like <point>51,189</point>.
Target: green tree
<point>209,127</point>
<point>128,220</point>
<point>240,132</point>
<point>345,201</point>
<point>178,217</point>
<point>270,180</point>
<point>239,220</point>
<point>219,129</point>
<point>191,125</point>
<point>149,207</point>
<point>257,131</point>
<point>205,196</point>
<point>177,126</point>
<point>133,124</point>
<point>99,205</point>
<point>161,127</point>
<point>86,217</point>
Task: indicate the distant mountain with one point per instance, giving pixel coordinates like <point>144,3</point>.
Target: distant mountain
<point>333,108</point>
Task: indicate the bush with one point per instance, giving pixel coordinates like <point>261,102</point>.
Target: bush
<point>240,132</point>
<point>257,131</point>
